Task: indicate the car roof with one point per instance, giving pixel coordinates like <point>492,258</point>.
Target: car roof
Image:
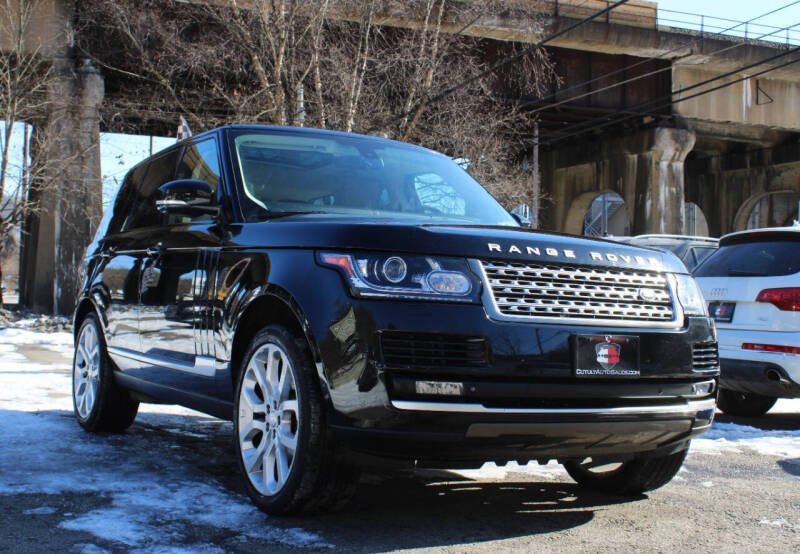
<point>316,131</point>
<point>766,231</point>
<point>677,237</point>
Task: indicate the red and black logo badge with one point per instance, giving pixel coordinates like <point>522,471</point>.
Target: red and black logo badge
<point>608,354</point>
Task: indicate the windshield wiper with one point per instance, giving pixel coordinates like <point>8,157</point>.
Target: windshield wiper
<point>276,215</point>
<point>745,273</point>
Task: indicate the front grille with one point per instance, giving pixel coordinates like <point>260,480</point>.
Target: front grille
<point>705,355</point>
<point>584,294</point>
<point>404,349</point>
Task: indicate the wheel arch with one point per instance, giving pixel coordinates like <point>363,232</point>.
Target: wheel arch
<point>274,305</point>
<point>86,306</point>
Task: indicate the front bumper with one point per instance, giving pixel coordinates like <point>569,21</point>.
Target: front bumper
<point>521,400</point>
<point>467,435</point>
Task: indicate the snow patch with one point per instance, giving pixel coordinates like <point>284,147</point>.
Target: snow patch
<point>25,336</point>
<point>152,493</point>
<point>780,522</point>
<point>733,438</point>
<point>491,471</point>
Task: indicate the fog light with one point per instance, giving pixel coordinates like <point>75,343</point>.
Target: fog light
<point>449,282</point>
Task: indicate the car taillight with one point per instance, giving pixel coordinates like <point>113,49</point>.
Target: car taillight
<point>771,348</point>
<point>787,299</point>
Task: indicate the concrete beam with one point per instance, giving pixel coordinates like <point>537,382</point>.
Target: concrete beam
<point>630,29</point>
<point>769,103</point>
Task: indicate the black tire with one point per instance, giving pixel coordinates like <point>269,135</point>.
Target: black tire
<point>631,478</point>
<point>318,480</point>
<point>745,404</point>
<point>113,410</point>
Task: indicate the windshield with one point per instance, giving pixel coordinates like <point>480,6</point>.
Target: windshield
<point>286,172</point>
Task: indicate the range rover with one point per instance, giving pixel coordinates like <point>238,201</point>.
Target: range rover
<point>353,302</point>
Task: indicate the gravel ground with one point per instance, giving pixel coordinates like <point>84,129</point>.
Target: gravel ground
<point>170,485</point>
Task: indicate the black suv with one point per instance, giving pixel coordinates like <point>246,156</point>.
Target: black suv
<point>350,301</point>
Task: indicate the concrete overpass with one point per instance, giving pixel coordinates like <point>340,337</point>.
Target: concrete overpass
<point>731,153</point>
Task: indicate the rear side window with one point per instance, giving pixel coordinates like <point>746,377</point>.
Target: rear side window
<point>160,171</point>
<point>753,259</point>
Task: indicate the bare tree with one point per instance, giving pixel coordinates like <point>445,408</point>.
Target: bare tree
<point>24,80</point>
<point>331,64</point>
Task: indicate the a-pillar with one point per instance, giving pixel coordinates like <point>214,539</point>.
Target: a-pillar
<point>69,190</point>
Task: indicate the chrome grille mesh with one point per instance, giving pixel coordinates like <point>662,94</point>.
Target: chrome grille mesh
<point>602,295</point>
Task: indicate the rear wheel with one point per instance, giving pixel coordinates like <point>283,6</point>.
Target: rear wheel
<point>746,404</point>
<point>100,404</point>
<point>283,449</point>
<point>627,478</point>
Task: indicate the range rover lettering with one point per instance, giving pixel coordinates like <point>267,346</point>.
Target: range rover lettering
<point>353,302</point>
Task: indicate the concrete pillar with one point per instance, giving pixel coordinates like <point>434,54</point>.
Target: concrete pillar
<point>660,181</point>
<point>646,169</point>
<point>70,191</point>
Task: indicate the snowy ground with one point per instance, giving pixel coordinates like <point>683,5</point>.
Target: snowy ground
<point>169,485</point>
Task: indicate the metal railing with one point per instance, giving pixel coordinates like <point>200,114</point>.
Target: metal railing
<point>647,15</point>
<point>711,25</point>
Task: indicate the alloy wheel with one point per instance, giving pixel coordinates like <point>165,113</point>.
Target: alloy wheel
<point>86,371</point>
<point>268,419</point>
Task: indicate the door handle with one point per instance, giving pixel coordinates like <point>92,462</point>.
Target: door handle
<point>155,251</point>
<point>109,252</point>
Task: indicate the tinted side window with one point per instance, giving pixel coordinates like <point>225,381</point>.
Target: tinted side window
<point>754,259</point>
<point>123,203</point>
<point>200,161</point>
<point>160,171</point>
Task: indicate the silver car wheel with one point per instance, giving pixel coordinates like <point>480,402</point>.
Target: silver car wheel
<point>269,419</point>
<point>86,371</point>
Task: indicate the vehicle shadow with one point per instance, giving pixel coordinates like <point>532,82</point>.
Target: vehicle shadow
<point>401,513</point>
<point>395,511</point>
<point>390,510</point>
<point>790,466</point>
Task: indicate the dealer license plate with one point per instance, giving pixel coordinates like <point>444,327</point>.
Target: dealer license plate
<point>603,356</point>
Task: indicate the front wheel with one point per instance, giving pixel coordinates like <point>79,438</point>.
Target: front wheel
<point>629,478</point>
<point>745,404</point>
<point>283,449</point>
<point>100,404</point>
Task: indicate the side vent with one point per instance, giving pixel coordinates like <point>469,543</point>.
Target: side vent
<point>705,355</point>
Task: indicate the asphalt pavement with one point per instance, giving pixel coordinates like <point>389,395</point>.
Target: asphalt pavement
<point>170,485</point>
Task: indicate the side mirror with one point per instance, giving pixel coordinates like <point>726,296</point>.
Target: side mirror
<point>522,214</point>
<point>190,197</point>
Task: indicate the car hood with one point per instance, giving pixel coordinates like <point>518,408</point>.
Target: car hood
<point>470,241</point>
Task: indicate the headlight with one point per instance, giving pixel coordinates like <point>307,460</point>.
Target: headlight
<point>689,295</point>
<point>405,276</point>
